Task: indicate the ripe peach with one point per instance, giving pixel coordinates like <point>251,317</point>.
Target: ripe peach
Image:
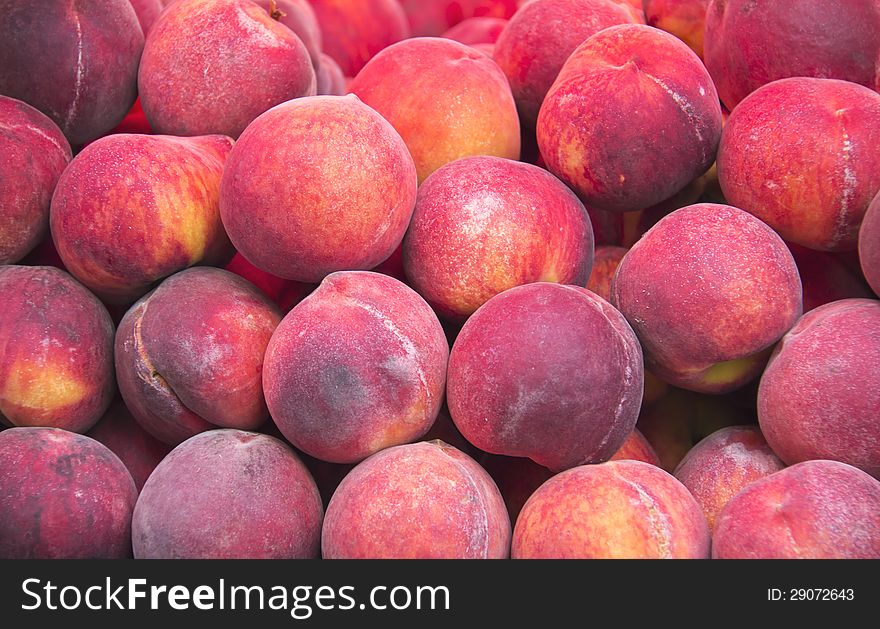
<point>430,18</point>
<point>446,100</point>
<point>418,501</point>
<point>477,30</point>
<point>629,162</point>
<point>483,225</point>
<point>826,278</point>
<point>147,12</point>
<point>605,264</point>
<point>813,510</point>
<point>820,394</point>
<point>331,81</point>
<point>517,479</point>
<point>35,152</point>
<point>869,245</point>
<point>803,155</point>
<point>686,19</point>
<point>637,448</point>
<point>298,16</point>
<point>337,190</point>
<point>616,510</point>
<point>56,350</point>
<point>728,291</point>
<point>546,371</point>
<point>228,494</point>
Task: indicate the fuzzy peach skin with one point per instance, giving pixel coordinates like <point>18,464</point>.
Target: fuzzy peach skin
<point>729,289</point>
<point>418,501</point>
<point>189,355</point>
<point>336,191</point>
<point>750,43</point>
<point>212,67</point>
<point>35,152</point>
<point>549,372</point>
<point>62,496</point>
<point>147,12</point>
<point>637,448</point>
<point>446,100</point>
<point>228,494</point>
<point>353,31</point>
<point>813,510</point>
<point>803,155</point>
<point>820,394</point>
<point>477,30</point>
<point>724,463</point>
<point>632,119</point>
<point>826,278</point>
<point>431,18</point>
<point>686,19</point>
<point>76,62</point>
<point>56,350</point>
<point>136,448</point>
<point>616,510</point>
<point>539,39</point>
<point>869,245</point>
<point>356,367</point>
<point>133,209</point>
<point>517,479</point>
<point>331,81</point>
<point>605,264</point>
<point>483,225</point>
<point>298,16</point>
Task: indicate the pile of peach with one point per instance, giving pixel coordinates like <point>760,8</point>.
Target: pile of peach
<point>435,278</point>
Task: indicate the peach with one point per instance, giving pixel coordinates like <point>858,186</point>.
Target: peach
<point>477,30</point>
<point>418,501</point>
<point>243,496</point>
<point>637,448</point>
<point>76,62</point>
<point>211,67</point>
<point>138,450</point>
<point>446,100</point>
<point>532,58</point>
<point>728,291</point>
<point>751,43</point>
<point>147,12</point>
<point>869,245</point>
<point>826,278</point>
<point>605,264</point>
<point>549,372</point>
<point>813,510</point>
<point>353,30</point>
<point>189,355</point>
<point>616,510</point>
<point>803,155</point>
<point>614,158</point>
<point>56,350</point>
<point>35,153</point>
<point>820,394</point>
<point>337,189</point>
<point>686,19</point>
<point>62,496</point>
<point>356,367</point>
<point>298,16</point>
<point>724,463</point>
<point>517,479</point>
<point>483,225</point>
<point>430,18</point>
<point>133,209</point>
<point>331,81</point>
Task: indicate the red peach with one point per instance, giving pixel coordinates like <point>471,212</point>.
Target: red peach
<point>430,18</point>
<point>637,448</point>
<point>517,479</point>
<point>686,19</point>
<point>605,264</point>
<point>477,30</point>
<point>147,12</point>
<point>869,245</point>
<point>826,278</point>
<point>298,16</point>
<point>331,81</point>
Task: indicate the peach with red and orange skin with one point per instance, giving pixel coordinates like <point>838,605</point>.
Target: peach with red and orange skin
<point>353,31</point>
<point>635,7</point>
<point>820,393</point>
<point>356,367</point>
<point>446,100</point>
<point>531,59</point>
<point>35,152</point>
<point>330,80</point>
<point>803,155</point>
<point>56,350</point>
<point>245,496</point>
<point>432,18</point>
<point>191,83</point>
<point>549,372</point>
<point>605,264</point>
<point>686,19</point>
<point>136,448</point>
<point>616,510</point>
<point>749,44</point>
<point>812,510</point>
<point>62,496</point>
<point>869,245</point>
<point>76,62</point>
<point>826,278</point>
<point>477,30</point>
<point>723,464</point>
<point>729,291</point>
<point>189,355</point>
<point>425,500</point>
<point>485,224</point>
<point>299,17</point>
<point>637,448</point>
<point>132,209</point>
<point>623,162</point>
<point>336,193</point>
